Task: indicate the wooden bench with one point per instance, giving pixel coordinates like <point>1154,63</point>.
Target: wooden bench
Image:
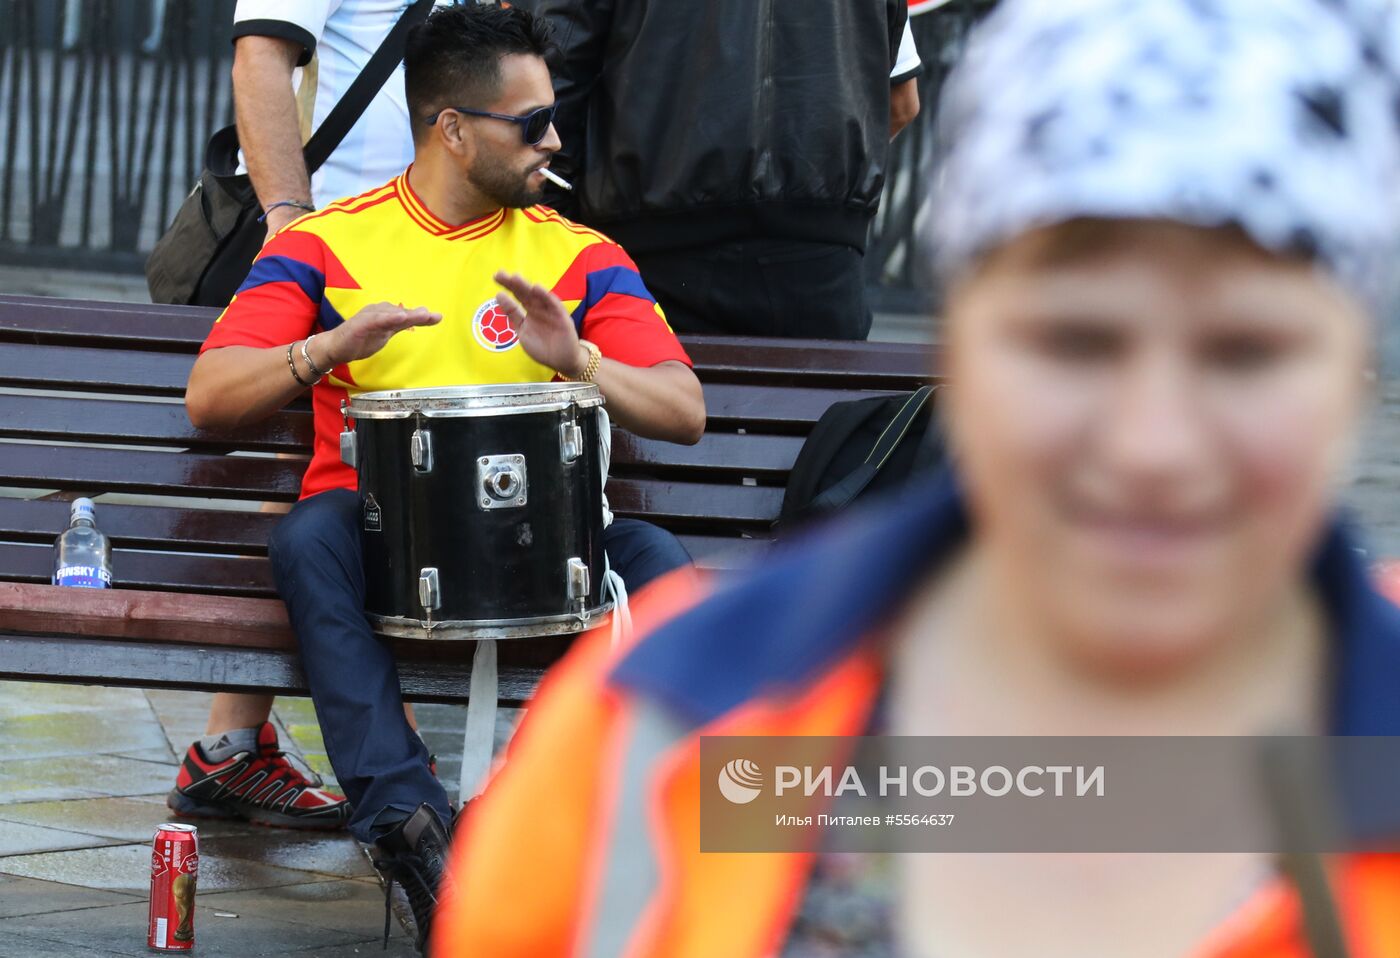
<point>194,606</point>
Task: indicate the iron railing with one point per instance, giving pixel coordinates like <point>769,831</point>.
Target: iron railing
<point>105,107</point>
<point>896,270</point>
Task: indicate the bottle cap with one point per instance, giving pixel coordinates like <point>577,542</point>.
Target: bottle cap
<point>83,507</point>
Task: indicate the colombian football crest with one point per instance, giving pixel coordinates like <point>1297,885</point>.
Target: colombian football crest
<point>492,327</point>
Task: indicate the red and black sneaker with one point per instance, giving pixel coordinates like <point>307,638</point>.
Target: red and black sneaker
<point>261,787</point>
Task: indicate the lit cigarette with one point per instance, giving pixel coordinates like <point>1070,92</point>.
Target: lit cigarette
<point>556,179</point>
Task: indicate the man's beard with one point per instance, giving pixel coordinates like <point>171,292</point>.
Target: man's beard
<point>503,185</point>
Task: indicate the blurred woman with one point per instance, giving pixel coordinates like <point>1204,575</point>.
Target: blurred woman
<point>1166,229</point>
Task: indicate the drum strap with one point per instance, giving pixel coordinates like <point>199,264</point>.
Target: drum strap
<point>480,735</point>
<point>614,588</point>
<point>605,459</point>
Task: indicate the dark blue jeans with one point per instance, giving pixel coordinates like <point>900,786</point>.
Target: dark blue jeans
<point>316,563</point>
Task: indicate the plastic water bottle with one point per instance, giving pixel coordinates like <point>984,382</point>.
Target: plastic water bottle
<point>82,555</point>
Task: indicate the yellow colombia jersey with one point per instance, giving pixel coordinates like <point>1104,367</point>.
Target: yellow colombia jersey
<point>385,246</point>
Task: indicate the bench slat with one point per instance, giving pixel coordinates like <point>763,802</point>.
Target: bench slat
<point>90,469</point>
<point>811,362</point>
<point>249,575</point>
<point>144,527</point>
<point>730,406</point>
<point>156,571</point>
<point>240,532</point>
<point>134,325</point>
<point>210,620</point>
<point>148,471</point>
<point>74,419</point>
<point>790,411</point>
<point>87,368</point>
<point>752,454</point>
<point>154,616</point>
<point>145,665</point>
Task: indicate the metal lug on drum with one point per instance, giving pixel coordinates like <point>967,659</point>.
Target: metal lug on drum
<point>578,581</point>
<point>420,450</point>
<point>348,449</point>
<point>502,480</point>
<point>429,590</point>
<point>570,441</point>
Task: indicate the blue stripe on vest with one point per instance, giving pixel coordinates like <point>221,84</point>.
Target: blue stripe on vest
<point>329,316</point>
<point>614,279</point>
<point>284,269</point>
<point>310,280</point>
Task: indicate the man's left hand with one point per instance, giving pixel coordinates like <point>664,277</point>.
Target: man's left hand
<point>545,328</point>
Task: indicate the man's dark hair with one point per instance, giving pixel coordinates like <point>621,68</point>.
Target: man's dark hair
<point>453,58</point>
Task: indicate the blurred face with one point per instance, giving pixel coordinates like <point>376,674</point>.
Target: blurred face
<point>1150,420</point>
<point>499,163</point>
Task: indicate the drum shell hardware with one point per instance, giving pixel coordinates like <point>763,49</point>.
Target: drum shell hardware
<point>481,509</point>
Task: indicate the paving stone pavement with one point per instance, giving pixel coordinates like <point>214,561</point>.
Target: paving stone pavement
<point>83,777</point>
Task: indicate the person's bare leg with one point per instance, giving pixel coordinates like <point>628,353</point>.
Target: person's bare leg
<point>235,710</point>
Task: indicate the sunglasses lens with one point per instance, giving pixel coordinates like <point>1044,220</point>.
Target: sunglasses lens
<point>538,125</point>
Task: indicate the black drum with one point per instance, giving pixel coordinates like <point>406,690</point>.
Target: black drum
<point>481,509</point>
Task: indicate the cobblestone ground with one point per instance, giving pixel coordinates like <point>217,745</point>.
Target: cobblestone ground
<point>83,777</point>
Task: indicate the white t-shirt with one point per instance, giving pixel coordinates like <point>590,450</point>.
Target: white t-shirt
<point>907,64</point>
<point>343,35</point>
<point>917,7</point>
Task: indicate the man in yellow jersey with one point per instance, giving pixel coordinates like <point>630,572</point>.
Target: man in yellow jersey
<point>400,288</point>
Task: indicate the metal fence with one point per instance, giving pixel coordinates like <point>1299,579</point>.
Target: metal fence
<point>105,107</point>
<point>895,272</point>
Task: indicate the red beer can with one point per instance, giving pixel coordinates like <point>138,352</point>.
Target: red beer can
<point>174,870</point>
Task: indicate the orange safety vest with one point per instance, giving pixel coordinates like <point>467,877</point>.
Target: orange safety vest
<point>549,861</point>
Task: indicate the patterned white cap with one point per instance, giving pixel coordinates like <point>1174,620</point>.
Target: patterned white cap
<point>1279,116</point>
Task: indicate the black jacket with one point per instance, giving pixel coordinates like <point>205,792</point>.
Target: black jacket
<point>687,122</point>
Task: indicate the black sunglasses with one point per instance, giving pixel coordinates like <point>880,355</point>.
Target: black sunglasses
<point>533,125</point>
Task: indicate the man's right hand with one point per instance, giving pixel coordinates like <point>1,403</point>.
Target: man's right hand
<point>366,333</point>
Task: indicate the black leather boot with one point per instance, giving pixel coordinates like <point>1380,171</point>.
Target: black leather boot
<point>414,854</point>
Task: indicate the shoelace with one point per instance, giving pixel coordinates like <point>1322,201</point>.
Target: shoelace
<point>421,896</point>
<point>298,765</point>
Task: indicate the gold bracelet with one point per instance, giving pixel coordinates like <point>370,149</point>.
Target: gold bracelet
<point>595,359</point>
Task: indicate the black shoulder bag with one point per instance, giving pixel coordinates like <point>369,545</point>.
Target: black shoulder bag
<point>204,256</point>
<point>858,447</point>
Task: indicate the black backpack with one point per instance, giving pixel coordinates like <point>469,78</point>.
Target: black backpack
<point>858,447</point>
